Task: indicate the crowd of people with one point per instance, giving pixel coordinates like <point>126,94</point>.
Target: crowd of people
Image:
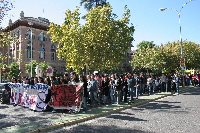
<point>100,89</point>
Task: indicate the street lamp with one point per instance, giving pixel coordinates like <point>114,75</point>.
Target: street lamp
<point>182,57</point>
<point>31,24</point>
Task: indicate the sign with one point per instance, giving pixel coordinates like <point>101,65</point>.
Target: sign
<point>30,96</point>
<point>38,71</point>
<point>67,97</point>
<point>49,71</point>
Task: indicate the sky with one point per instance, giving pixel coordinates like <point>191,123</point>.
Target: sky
<point>150,23</point>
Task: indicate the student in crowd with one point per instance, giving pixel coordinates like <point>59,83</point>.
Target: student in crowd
<point>85,92</point>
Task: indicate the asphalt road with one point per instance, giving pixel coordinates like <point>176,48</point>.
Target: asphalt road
<point>173,114</point>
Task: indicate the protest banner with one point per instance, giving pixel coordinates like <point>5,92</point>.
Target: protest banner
<point>31,96</point>
<point>67,97</point>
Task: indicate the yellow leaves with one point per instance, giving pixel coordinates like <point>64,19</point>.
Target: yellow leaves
<point>100,42</point>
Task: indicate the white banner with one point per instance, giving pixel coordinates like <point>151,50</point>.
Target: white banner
<point>30,96</point>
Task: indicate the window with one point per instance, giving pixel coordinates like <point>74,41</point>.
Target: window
<point>28,34</point>
<point>17,33</point>
<point>53,56</point>
<point>28,52</point>
<point>42,53</point>
<point>53,52</point>
<point>42,37</point>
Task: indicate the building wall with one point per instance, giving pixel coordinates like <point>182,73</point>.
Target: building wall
<point>19,50</point>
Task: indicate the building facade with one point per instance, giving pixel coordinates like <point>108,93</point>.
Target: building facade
<point>33,43</point>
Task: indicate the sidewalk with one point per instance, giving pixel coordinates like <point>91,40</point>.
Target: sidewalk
<point>63,119</point>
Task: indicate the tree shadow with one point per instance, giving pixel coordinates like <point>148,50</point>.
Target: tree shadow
<point>124,117</point>
<point>103,129</point>
<point>127,113</point>
<point>3,107</point>
<point>192,91</point>
<point>2,116</point>
<point>155,105</point>
<point>4,124</point>
<point>166,102</point>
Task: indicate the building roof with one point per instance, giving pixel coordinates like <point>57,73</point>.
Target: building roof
<point>38,23</point>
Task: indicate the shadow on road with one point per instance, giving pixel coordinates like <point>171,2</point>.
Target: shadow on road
<point>159,105</point>
<point>103,129</point>
<point>3,107</point>
<point>4,124</point>
<point>192,91</point>
<point>2,116</point>
<point>124,117</point>
<point>167,102</point>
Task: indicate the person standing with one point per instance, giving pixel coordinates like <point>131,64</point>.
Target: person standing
<point>177,80</point>
<point>93,88</point>
<point>125,87</point>
<point>131,83</point>
<point>85,92</point>
<point>163,82</point>
<point>118,83</point>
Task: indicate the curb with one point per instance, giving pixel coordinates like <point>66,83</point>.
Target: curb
<point>80,120</point>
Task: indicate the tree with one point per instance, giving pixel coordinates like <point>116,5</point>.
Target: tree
<point>28,67</point>
<point>144,58</point>
<point>43,66</point>
<point>145,44</point>
<point>5,6</point>
<point>100,44</point>
<point>14,70</point>
<point>191,52</point>
<point>5,41</point>
<point>89,4</point>
<point>166,58</point>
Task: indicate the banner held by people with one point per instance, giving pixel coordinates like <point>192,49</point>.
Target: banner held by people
<point>67,96</point>
<point>30,96</point>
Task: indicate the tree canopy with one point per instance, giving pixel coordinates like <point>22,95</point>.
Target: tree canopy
<point>100,44</point>
<point>5,6</point>
<point>5,40</point>
<point>89,4</point>
<point>166,57</point>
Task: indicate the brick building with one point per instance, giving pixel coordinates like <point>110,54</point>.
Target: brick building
<point>42,47</point>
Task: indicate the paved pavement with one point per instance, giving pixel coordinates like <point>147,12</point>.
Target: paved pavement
<point>172,114</point>
<point>19,119</point>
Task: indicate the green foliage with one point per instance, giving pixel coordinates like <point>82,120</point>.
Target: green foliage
<point>13,70</point>
<point>100,44</point>
<point>166,58</point>
<point>28,67</point>
<point>89,4</point>
<point>43,66</point>
<point>5,40</point>
<point>145,45</point>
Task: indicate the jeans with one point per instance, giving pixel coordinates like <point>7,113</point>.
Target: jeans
<point>119,97</point>
<point>94,98</point>
<point>112,95</point>
<point>131,91</point>
<point>177,88</point>
<point>136,91</point>
<point>84,103</point>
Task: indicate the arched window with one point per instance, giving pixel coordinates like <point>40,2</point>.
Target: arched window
<point>28,34</point>
<point>28,52</point>
<point>42,37</point>
<point>42,53</point>
<point>53,52</point>
<point>17,33</point>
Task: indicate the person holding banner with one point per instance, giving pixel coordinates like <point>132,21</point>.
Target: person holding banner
<point>93,90</point>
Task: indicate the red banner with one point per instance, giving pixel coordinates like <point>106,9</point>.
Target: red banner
<point>66,97</point>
